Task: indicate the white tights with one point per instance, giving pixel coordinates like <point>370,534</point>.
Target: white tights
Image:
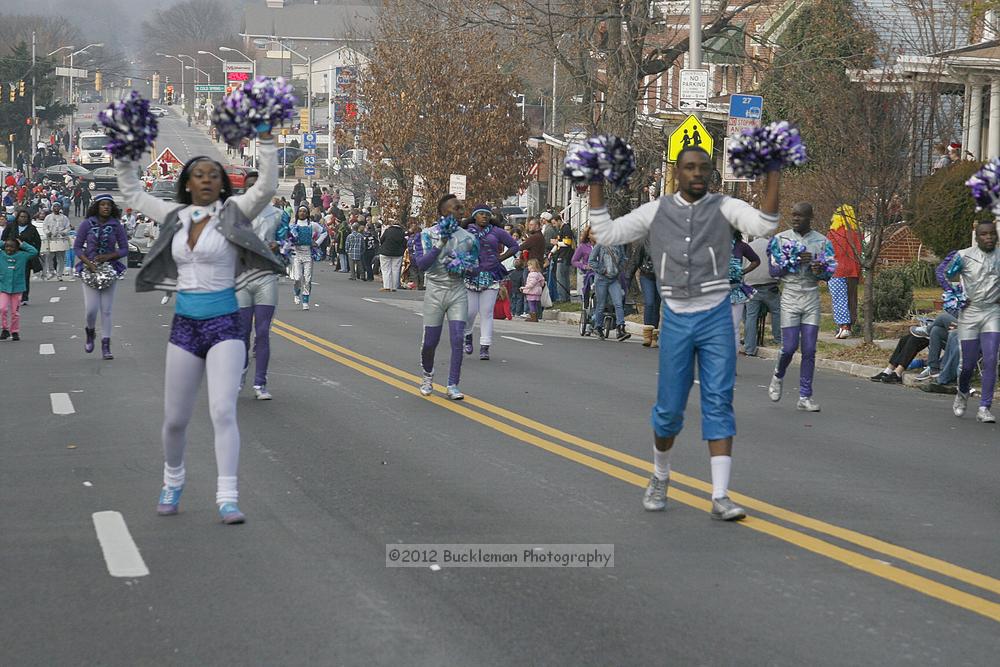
<point>100,300</point>
<point>481,303</point>
<point>222,366</point>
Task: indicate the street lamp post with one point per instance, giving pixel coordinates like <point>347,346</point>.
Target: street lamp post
<point>208,76</point>
<point>309,75</point>
<point>72,114</point>
<point>253,75</point>
<point>167,55</point>
<point>195,64</point>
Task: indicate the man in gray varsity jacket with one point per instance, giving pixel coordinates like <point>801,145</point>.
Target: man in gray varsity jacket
<point>690,240</point>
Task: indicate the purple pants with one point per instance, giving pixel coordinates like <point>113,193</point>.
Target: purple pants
<point>789,344</point>
<point>258,317</point>
<point>432,335</point>
<point>987,343</point>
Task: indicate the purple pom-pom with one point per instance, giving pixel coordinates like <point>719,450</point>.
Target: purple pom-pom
<point>131,129</point>
<point>261,102</point>
<point>828,263</point>
<point>759,150</point>
<point>954,300</point>
<point>985,186</point>
<point>601,158</point>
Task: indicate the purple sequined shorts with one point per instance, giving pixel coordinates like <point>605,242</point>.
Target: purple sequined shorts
<point>199,336</point>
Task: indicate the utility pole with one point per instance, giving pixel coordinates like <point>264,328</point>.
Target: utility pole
<point>34,120</point>
<point>694,41</point>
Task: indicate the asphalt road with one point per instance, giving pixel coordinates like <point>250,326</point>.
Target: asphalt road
<point>872,536</point>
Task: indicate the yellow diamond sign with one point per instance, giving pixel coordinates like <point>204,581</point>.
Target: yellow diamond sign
<point>689,133</point>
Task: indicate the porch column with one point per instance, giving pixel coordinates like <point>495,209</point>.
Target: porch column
<point>993,142</point>
<point>975,144</point>
<point>966,115</point>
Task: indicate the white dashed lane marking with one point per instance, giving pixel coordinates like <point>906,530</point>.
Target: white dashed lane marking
<point>521,340</point>
<point>48,319</point>
<point>46,348</point>
<point>63,288</point>
<point>120,552</point>
<point>54,299</point>
<point>61,405</point>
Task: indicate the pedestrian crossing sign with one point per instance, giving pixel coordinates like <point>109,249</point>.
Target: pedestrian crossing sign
<point>689,133</point>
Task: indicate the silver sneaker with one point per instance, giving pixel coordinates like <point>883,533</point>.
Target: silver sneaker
<point>774,389</point>
<point>427,384</point>
<point>305,306</point>
<point>165,300</point>
<point>926,374</point>
<point>724,509</point>
<point>807,404</point>
<point>261,393</point>
<point>960,404</point>
<point>453,393</point>
<point>985,416</point>
<point>655,497</point>
<point>297,300</point>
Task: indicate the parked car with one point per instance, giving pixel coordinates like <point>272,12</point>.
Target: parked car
<point>238,177</point>
<point>157,111</point>
<point>105,178</point>
<point>164,190</point>
<point>80,175</point>
<point>139,244</point>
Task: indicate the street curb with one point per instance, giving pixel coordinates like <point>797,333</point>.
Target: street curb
<point>846,367</point>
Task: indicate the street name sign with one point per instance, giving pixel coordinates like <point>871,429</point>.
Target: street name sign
<point>209,88</point>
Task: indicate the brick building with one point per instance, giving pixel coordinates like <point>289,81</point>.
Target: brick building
<point>901,246</point>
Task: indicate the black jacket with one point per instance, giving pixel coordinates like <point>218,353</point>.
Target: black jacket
<point>31,236</point>
<point>393,242</point>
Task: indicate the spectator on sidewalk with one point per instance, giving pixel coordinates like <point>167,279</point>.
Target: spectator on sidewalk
<point>607,262</point>
<point>937,332</point>
<point>298,194</point>
<point>766,299</point>
<point>562,256</point>
<point>517,277</point>
<point>370,253</point>
<point>392,245</point>
<point>946,381</point>
<point>738,292</point>
<point>846,242</point>
<point>355,245</point>
<point>534,246</point>
<point>642,261</point>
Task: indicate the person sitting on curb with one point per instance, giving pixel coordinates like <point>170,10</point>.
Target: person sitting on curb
<point>910,345</point>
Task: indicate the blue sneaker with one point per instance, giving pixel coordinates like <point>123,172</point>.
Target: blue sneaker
<point>230,513</point>
<point>170,498</point>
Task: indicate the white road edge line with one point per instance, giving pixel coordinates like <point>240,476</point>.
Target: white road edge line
<point>48,319</point>
<point>370,300</point>
<point>54,299</point>
<point>61,405</point>
<point>120,552</point>
<point>46,348</point>
<point>521,340</point>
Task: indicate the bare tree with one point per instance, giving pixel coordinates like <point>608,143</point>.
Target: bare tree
<point>438,100</point>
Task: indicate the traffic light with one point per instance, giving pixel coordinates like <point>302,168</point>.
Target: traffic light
<point>170,95</point>
<point>20,89</point>
<point>97,81</point>
<point>12,138</point>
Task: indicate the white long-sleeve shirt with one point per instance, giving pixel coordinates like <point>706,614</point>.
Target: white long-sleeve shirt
<point>635,226</point>
<point>211,265</point>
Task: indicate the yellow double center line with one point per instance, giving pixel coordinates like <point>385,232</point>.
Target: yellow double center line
<point>408,382</point>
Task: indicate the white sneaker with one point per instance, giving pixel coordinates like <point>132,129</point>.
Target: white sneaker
<point>305,306</point>
<point>261,393</point>
<point>985,416</point>
<point>427,384</point>
<point>165,300</point>
<point>774,389</point>
<point>960,404</point>
<point>296,299</point>
<point>453,393</point>
<point>807,404</point>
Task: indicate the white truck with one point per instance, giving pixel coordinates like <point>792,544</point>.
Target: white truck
<point>91,150</point>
